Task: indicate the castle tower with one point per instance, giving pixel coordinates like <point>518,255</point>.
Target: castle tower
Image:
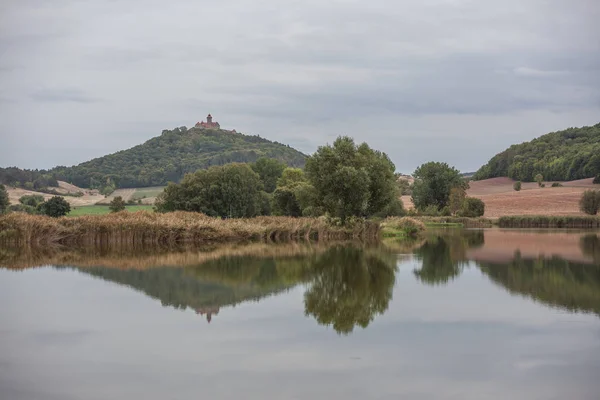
<point>209,119</point>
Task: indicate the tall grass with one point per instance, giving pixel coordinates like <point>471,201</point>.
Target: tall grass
<point>171,228</point>
<point>457,221</point>
<point>532,221</point>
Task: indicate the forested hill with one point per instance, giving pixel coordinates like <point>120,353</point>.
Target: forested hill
<point>559,156</point>
<point>171,155</point>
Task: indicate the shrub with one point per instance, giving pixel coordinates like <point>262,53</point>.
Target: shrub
<point>590,202</point>
<point>473,208</point>
<point>539,178</point>
<point>543,185</point>
<point>55,207</point>
<point>117,204</point>
<point>24,208</point>
<point>32,200</point>
<point>596,180</point>
<point>409,226</point>
<point>517,186</point>
<point>557,184</point>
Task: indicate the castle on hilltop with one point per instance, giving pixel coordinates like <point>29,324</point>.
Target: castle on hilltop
<point>209,124</point>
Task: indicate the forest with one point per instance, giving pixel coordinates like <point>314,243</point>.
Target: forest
<point>566,155</point>
<point>162,159</point>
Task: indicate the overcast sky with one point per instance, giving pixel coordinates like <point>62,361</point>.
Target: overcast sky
<point>445,80</point>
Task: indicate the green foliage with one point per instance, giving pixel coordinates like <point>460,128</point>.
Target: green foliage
<point>4,201</point>
<point>233,190</point>
<point>32,200</point>
<point>596,180</point>
<point>24,208</point>
<point>285,202</point>
<point>351,180</point>
<point>590,202</point>
<point>117,204</point>
<point>517,186</point>
<point>539,179</point>
<point>168,157</point>
<point>27,179</point>
<point>433,183</point>
<point>457,199</point>
<point>473,208</point>
<point>404,186</point>
<point>564,155</point>
<point>557,184</point>
<point>270,171</point>
<point>55,207</point>
<point>405,226</point>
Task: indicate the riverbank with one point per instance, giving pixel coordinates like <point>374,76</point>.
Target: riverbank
<point>171,228</point>
<point>544,221</point>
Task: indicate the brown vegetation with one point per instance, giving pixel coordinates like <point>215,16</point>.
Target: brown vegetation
<point>170,228</point>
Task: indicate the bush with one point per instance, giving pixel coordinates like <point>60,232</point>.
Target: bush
<point>590,202</point>
<point>24,208</point>
<point>409,226</point>
<point>473,208</point>
<point>557,184</point>
<point>517,186</point>
<point>117,204</point>
<point>32,200</point>
<point>543,185</point>
<point>596,180</point>
<point>55,207</point>
<point>539,179</point>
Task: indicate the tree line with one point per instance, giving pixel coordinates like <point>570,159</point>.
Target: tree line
<point>344,180</point>
<point>565,155</point>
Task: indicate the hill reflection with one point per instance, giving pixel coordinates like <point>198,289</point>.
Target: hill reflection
<point>346,285</point>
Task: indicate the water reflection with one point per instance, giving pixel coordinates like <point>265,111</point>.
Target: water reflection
<point>345,285</point>
<point>537,267</point>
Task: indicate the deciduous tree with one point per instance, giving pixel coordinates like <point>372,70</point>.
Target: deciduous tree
<point>433,183</point>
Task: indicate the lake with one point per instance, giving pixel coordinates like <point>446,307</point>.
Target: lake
<point>463,314</point>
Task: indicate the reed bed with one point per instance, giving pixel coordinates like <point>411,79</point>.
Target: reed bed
<point>531,221</point>
<point>457,221</point>
<point>171,228</point>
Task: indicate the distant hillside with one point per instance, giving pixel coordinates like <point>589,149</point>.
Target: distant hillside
<point>559,156</point>
<point>171,155</point>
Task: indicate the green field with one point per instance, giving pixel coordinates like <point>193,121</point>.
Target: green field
<point>101,210</point>
<point>143,193</point>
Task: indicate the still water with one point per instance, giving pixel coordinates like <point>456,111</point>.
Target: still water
<point>461,315</point>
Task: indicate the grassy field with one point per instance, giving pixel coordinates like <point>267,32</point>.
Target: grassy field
<point>102,210</point>
<point>147,192</point>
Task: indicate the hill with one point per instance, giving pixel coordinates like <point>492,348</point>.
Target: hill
<point>559,156</point>
<point>173,154</point>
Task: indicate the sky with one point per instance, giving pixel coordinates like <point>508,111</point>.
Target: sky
<point>422,80</point>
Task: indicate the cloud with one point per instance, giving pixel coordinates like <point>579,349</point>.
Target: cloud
<point>308,70</point>
<point>525,71</point>
<point>68,95</point>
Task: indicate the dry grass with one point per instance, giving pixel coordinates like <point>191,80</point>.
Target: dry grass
<point>170,228</point>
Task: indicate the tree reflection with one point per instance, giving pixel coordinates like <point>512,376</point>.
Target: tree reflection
<point>557,282</point>
<point>590,246</point>
<point>349,287</point>
<point>444,255</point>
